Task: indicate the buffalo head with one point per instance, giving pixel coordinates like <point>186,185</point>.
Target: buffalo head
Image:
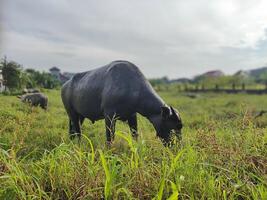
<point>167,121</point>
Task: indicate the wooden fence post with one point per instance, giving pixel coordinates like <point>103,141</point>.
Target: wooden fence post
<point>185,87</point>
<point>243,86</point>
<point>179,88</point>
<point>233,86</point>
<point>203,87</point>
<point>159,88</point>
<point>216,87</point>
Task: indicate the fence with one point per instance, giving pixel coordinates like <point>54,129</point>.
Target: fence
<point>232,90</point>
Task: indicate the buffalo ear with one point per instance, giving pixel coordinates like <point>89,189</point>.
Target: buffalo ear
<point>173,113</point>
<point>19,96</point>
<point>165,112</point>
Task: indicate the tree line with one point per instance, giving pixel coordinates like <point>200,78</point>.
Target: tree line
<point>225,81</point>
<point>15,77</point>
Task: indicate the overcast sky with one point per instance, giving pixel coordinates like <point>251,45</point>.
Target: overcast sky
<point>176,38</point>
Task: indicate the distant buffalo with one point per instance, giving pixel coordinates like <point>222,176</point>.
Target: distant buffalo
<point>35,99</point>
<point>118,90</point>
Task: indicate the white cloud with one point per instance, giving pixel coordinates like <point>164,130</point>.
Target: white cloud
<point>174,38</point>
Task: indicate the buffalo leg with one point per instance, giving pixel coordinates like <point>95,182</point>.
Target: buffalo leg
<point>70,127</point>
<point>110,122</point>
<point>132,121</point>
<point>74,126</point>
<point>81,120</point>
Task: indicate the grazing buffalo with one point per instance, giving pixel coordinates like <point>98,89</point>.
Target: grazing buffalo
<point>118,90</point>
<point>35,99</point>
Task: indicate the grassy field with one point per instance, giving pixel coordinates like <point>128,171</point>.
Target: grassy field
<point>222,154</point>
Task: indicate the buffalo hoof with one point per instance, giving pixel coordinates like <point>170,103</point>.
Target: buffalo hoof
<point>72,136</point>
<point>109,144</point>
<point>135,137</point>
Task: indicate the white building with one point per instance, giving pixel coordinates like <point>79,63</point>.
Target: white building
<point>55,72</point>
<point>59,76</point>
<point>2,86</point>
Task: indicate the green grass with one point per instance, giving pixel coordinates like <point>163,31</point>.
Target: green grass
<point>222,154</point>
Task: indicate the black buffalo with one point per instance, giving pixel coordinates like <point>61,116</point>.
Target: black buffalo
<point>118,90</point>
<point>35,99</point>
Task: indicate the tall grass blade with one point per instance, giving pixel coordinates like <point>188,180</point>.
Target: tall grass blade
<point>107,190</point>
